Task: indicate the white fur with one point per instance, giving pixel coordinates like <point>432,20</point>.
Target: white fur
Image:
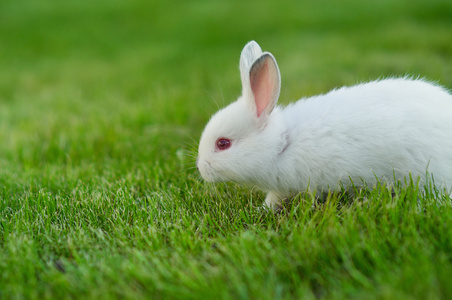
<point>381,130</point>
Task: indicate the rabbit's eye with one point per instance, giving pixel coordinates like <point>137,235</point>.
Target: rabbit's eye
<point>223,143</point>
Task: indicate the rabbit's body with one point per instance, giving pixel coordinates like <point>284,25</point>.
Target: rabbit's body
<point>383,130</point>
<point>366,132</point>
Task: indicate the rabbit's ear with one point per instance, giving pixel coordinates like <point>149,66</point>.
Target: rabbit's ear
<point>250,53</point>
<point>265,83</point>
<point>261,81</point>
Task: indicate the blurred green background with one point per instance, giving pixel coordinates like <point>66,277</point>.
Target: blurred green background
<point>78,78</point>
<point>102,104</point>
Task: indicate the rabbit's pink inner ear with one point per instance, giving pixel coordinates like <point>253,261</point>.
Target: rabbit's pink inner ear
<point>261,85</point>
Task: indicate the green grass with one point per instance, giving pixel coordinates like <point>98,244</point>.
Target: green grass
<point>101,105</point>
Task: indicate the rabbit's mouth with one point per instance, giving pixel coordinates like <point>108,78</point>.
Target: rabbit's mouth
<point>210,174</point>
<point>204,167</point>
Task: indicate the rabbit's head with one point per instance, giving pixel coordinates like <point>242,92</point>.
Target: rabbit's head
<point>241,142</point>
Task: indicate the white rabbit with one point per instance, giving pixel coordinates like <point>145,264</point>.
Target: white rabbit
<point>382,130</point>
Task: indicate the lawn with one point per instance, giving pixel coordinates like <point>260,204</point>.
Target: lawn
<point>101,107</point>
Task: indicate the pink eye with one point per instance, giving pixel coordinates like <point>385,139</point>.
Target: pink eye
<point>223,143</point>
